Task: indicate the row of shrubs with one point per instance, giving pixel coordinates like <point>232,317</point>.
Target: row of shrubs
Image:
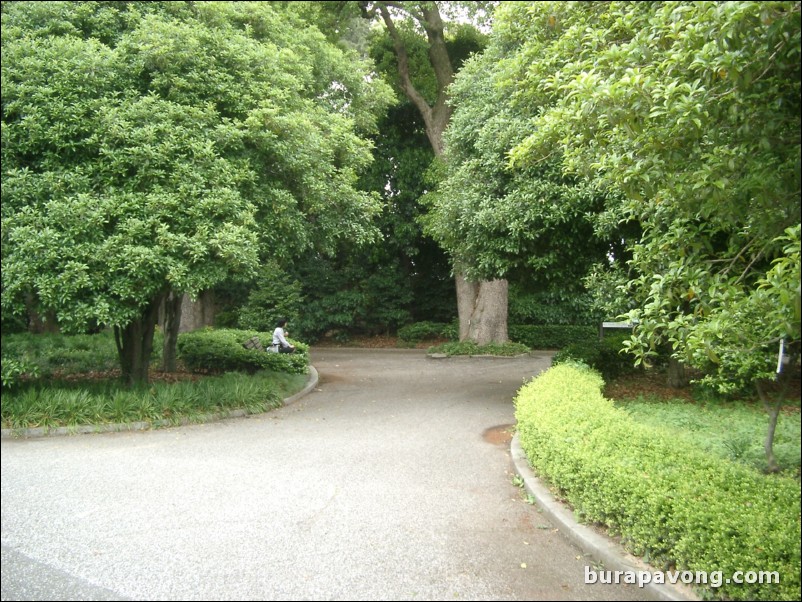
<point>221,350</point>
<point>668,499</point>
<point>45,356</point>
<point>534,337</point>
<point>603,355</point>
<point>575,343</point>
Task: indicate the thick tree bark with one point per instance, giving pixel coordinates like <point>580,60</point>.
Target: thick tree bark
<point>135,345</point>
<point>37,324</point>
<point>197,314</point>
<point>482,306</point>
<point>676,376</point>
<point>483,310</point>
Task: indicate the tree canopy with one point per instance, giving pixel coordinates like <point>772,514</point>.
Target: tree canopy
<point>529,222</point>
<point>686,117</point>
<point>692,113</point>
<point>157,147</point>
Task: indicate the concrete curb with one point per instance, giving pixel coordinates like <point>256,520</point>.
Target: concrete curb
<point>144,426</point>
<point>599,548</point>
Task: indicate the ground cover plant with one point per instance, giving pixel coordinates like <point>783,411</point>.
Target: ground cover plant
<point>741,440</point>
<point>681,499</point>
<point>471,348</point>
<point>68,381</point>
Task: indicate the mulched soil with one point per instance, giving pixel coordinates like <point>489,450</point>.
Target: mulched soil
<point>646,384</point>
<point>153,375</point>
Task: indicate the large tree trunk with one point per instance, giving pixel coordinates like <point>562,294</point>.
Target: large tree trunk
<point>197,314</point>
<point>171,325</point>
<point>482,310</point>
<point>37,324</point>
<point>135,345</point>
<point>676,375</point>
<point>482,306</point>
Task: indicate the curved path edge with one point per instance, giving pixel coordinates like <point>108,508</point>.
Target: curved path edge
<point>600,548</point>
<point>43,431</point>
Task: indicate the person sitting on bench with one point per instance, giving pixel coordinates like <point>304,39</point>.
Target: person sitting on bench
<point>280,344</point>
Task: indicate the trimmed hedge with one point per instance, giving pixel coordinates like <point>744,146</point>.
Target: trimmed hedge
<point>552,337</point>
<point>421,331</point>
<point>222,350</point>
<point>471,348</point>
<point>534,337</point>
<point>668,499</point>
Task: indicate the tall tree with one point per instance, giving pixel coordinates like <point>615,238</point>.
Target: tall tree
<point>530,223</point>
<point>691,111</point>
<point>155,148</point>
<point>482,305</point>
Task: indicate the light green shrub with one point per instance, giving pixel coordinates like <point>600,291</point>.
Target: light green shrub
<point>668,499</point>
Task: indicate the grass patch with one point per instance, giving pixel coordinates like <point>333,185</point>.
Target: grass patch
<point>733,430</point>
<point>103,401</point>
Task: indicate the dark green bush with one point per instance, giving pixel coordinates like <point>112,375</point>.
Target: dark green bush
<point>667,498</point>
<point>605,355</point>
<point>222,350</point>
<point>50,354</point>
<point>551,337</point>
<point>275,295</point>
<point>420,331</point>
<point>552,305</point>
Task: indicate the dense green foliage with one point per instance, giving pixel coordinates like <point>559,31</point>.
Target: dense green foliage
<point>215,351</point>
<point>154,147</point>
<point>528,223</point>
<point>605,355</point>
<point>420,331</point>
<point>690,114</point>
<point>552,336</point>
<point>668,499</point>
<point>49,356</point>
<point>275,295</point>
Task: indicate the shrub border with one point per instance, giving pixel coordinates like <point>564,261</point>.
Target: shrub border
<point>597,432</point>
<point>599,547</point>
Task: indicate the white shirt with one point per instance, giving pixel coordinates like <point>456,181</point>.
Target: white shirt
<point>278,337</point>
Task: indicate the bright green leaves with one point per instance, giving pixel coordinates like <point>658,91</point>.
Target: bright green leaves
<point>692,112</point>
<point>150,147</point>
<point>498,220</point>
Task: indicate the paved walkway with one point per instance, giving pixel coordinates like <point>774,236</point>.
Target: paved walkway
<point>390,481</point>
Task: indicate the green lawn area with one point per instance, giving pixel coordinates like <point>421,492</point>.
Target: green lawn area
<point>733,430</point>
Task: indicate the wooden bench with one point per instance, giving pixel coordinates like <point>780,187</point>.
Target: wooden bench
<point>254,343</point>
